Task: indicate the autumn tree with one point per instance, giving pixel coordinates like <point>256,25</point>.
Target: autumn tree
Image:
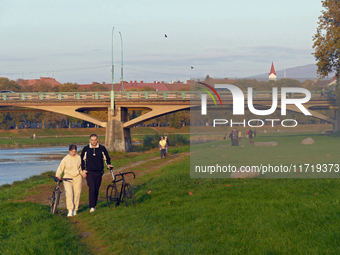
<point>41,87</point>
<point>327,39</point>
<point>70,87</point>
<point>5,120</point>
<point>98,87</point>
<point>6,84</point>
<point>18,118</point>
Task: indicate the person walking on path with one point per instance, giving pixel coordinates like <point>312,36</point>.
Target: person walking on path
<point>250,136</point>
<point>167,145</point>
<point>234,138</point>
<point>92,158</point>
<point>162,145</point>
<point>70,165</point>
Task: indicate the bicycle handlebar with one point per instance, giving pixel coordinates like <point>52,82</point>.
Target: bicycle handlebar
<point>134,176</point>
<point>57,180</point>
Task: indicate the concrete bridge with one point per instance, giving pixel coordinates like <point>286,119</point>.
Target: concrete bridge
<point>157,103</point>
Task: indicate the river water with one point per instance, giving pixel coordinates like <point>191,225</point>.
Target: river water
<point>20,164</point>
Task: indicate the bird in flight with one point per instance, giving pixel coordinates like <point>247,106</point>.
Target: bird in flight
<point>192,67</point>
<point>166,36</point>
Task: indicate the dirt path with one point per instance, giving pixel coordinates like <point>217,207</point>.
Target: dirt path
<point>42,193</point>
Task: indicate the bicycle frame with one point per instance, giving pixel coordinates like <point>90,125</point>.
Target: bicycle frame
<point>55,200</point>
<point>115,181</point>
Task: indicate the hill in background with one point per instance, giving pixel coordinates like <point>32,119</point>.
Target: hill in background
<point>301,73</point>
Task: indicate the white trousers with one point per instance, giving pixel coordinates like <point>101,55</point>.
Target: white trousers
<point>72,192</point>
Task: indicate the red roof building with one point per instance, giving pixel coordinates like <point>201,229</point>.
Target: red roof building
<point>333,81</point>
<point>48,80</point>
<point>272,75</point>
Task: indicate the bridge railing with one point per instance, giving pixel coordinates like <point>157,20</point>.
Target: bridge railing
<point>174,95</point>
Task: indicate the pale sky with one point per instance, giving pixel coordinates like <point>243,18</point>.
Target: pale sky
<point>71,40</point>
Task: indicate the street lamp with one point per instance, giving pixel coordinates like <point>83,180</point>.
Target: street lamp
<point>121,43</point>
<point>112,76</point>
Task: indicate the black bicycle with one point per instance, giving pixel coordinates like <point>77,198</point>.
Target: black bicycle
<point>126,193</point>
<point>54,200</point>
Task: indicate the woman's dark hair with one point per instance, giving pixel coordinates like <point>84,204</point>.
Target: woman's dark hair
<point>72,147</point>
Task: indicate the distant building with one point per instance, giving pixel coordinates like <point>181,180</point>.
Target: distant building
<point>333,81</point>
<point>272,75</point>
<point>48,80</point>
<point>326,83</point>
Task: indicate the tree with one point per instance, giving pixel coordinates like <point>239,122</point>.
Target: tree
<point>6,84</point>
<point>98,87</point>
<point>327,39</point>
<point>18,118</point>
<point>41,87</point>
<point>5,120</point>
<point>70,87</point>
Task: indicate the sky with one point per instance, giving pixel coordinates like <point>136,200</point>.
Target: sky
<point>72,40</point>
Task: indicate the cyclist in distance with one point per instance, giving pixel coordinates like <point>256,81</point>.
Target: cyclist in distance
<point>92,158</point>
<point>70,165</point>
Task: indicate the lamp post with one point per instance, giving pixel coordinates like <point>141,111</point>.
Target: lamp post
<point>112,76</point>
<point>121,43</point>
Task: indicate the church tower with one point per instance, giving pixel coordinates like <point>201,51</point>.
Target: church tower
<point>272,75</point>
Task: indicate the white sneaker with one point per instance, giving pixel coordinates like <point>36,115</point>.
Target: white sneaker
<point>92,209</point>
<point>70,214</point>
<point>74,213</point>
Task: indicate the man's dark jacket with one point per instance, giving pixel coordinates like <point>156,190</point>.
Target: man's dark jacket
<point>92,158</point>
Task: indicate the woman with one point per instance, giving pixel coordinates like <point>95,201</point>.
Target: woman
<point>71,167</point>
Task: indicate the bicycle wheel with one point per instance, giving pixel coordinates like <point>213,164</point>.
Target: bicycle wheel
<point>112,195</point>
<point>55,201</point>
<point>129,195</point>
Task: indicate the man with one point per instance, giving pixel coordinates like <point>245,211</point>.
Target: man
<point>234,137</point>
<point>250,136</point>
<point>323,92</point>
<point>92,158</point>
<point>167,145</point>
<point>162,145</point>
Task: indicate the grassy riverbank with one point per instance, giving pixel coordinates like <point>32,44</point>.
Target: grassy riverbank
<point>176,214</point>
<point>21,138</point>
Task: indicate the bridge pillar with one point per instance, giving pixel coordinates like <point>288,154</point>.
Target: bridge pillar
<point>336,125</point>
<point>117,138</point>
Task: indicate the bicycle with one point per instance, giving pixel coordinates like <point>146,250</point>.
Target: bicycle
<point>126,192</point>
<point>54,200</point>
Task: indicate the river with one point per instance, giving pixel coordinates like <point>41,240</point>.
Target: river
<point>20,164</point>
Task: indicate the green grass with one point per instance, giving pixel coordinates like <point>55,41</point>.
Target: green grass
<point>326,150</point>
<point>223,216</point>
<point>50,132</point>
<point>253,216</point>
<point>43,142</point>
<point>21,189</point>
<point>27,228</point>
